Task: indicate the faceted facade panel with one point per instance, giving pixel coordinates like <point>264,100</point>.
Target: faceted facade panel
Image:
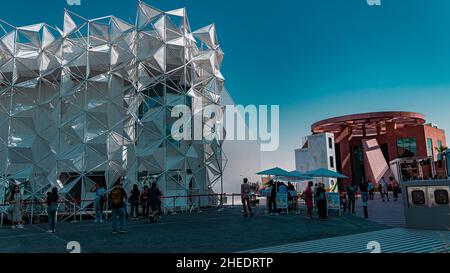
<point>91,102</point>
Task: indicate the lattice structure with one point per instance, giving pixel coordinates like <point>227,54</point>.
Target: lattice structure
<point>92,102</point>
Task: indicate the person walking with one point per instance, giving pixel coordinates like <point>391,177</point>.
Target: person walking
<point>144,202</point>
<point>99,201</point>
<point>308,197</point>
<point>117,198</point>
<point>273,199</point>
<point>384,189</point>
<point>395,187</point>
<point>134,203</point>
<point>246,190</point>
<point>321,202</point>
<point>16,207</point>
<point>154,198</point>
<point>364,188</point>
<point>52,207</point>
<point>351,194</point>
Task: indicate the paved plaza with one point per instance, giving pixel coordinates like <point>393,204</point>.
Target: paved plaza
<point>228,231</point>
<point>208,231</point>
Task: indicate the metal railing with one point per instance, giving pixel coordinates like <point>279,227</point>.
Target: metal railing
<point>71,210</point>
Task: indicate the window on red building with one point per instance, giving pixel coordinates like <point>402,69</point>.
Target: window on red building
<point>406,147</point>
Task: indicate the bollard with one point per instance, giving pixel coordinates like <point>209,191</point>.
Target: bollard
<point>232,200</point>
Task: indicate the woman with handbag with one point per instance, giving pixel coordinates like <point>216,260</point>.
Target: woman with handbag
<point>16,207</point>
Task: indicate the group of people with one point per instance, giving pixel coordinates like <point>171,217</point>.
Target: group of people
<point>149,199</point>
<point>16,203</point>
<point>315,196</point>
<point>273,188</point>
<point>384,186</point>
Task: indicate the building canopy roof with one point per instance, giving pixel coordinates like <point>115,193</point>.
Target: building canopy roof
<point>373,123</point>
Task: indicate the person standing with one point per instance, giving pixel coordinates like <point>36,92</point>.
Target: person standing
<point>384,189</point>
<point>144,202</point>
<point>321,202</point>
<point>154,198</point>
<point>308,197</point>
<point>395,187</point>
<point>344,200</point>
<point>246,190</point>
<point>160,195</point>
<point>380,190</point>
<point>16,202</point>
<point>365,195</point>
<point>99,202</point>
<point>52,207</point>
<point>351,194</point>
<point>273,199</point>
<point>134,202</point>
<point>371,191</point>
<point>117,198</point>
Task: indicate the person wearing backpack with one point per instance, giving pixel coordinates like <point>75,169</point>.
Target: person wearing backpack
<point>99,201</point>
<point>117,198</point>
<point>351,194</point>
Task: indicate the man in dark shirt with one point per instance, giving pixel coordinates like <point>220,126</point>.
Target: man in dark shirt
<point>117,198</point>
<point>351,196</point>
<point>272,199</point>
<point>364,188</point>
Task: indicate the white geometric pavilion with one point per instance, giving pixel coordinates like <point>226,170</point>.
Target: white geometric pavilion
<point>92,102</point>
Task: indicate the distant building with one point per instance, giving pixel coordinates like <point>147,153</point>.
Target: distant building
<point>317,152</point>
<point>366,144</point>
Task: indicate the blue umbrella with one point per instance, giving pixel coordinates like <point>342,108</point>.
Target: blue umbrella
<point>275,172</point>
<point>300,176</point>
<point>325,173</point>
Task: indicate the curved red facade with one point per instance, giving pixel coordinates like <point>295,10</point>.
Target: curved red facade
<point>366,143</point>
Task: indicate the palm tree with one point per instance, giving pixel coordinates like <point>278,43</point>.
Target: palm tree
<point>441,152</point>
<point>442,149</point>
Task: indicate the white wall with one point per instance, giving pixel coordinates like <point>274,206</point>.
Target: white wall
<point>316,156</point>
<point>244,159</point>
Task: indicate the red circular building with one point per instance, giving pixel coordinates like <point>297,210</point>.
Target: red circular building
<point>366,143</point>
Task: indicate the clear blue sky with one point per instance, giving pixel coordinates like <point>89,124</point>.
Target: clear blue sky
<point>315,58</point>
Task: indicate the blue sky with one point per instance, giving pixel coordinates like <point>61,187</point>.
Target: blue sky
<point>315,58</point>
